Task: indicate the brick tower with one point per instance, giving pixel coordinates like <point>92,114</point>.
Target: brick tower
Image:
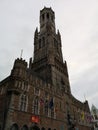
<point>48,60</point>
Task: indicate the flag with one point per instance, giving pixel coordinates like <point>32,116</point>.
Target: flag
<point>82,115</point>
<point>90,118</point>
<point>51,103</point>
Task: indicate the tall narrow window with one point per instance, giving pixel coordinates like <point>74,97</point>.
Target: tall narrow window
<point>36,106</point>
<point>40,43</point>
<point>52,112</point>
<point>43,17</point>
<point>23,102</point>
<point>43,41</point>
<point>46,107</point>
<point>47,15</point>
<point>52,18</point>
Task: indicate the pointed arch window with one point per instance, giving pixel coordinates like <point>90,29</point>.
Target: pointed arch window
<point>23,102</point>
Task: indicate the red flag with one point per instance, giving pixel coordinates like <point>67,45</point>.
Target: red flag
<point>41,102</point>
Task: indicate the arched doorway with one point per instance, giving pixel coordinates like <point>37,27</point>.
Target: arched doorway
<point>25,127</point>
<point>34,128</point>
<point>14,127</point>
<point>0,127</point>
<point>42,128</point>
<point>49,128</point>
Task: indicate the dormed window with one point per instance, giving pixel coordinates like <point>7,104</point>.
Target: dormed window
<point>23,103</point>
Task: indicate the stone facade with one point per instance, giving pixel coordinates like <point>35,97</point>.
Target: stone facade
<point>39,96</point>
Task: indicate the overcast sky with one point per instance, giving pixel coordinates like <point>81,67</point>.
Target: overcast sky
<point>77,21</point>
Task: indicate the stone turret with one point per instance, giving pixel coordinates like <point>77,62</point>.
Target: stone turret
<point>19,68</point>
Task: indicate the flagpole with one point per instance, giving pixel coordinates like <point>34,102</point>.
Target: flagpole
<point>21,53</point>
<point>84,97</point>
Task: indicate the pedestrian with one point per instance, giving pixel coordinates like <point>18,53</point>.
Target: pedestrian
<point>76,128</point>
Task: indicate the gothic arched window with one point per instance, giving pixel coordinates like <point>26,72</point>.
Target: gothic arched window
<point>23,102</point>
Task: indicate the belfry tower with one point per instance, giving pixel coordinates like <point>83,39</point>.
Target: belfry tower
<point>48,60</point>
<point>38,97</point>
